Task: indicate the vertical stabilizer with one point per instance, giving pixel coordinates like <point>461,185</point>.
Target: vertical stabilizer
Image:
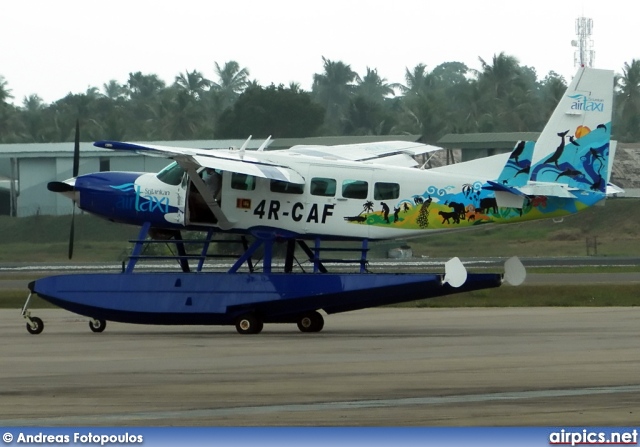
<point>573,148</point>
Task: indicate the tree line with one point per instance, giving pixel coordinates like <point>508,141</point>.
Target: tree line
<point>502,96</point>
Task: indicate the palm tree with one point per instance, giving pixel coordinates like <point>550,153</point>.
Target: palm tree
<point>500,75</point>
<point>552,89</point>
<point>194,83</point>
<point>630,101</point>
<point>144,87</point>
<point>144,92</point>
<point>113,90</point>
<point>32,115</point>
<point>417,81</point>
<point>374,88</point>
<point>510,97</point>
<point>5,93</point>
<point>333,89</point>
<point>232,81</point>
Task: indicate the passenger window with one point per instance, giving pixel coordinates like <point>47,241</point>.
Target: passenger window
<point>386,191</point>
<point>286,187</point>
<point>325,187</point>
<point>355,189</point>
<point>243,182</point>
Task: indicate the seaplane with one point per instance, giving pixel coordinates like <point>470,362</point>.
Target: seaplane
<point>305,196</point>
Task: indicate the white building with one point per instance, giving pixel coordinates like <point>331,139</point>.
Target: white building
<point>32,166</point>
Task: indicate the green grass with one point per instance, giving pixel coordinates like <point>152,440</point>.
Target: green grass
<point>616,226</point>
<point>540,296</point>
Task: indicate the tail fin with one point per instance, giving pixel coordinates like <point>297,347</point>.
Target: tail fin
<point>573,148</point>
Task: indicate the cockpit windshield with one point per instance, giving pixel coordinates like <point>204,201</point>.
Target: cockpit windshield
<point>172,174</point>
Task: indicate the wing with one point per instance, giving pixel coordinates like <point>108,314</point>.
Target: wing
<point>232,160</point>
<point>397,153</point>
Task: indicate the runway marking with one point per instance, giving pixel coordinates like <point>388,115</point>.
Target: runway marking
<point>115,419</point>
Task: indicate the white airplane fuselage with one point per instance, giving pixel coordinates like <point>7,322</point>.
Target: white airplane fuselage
<point>339,199</point>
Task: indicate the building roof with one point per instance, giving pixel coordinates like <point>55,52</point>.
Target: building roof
<point>285,143</point>
<point>501,140</point>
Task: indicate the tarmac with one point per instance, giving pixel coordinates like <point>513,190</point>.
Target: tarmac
<point>375,367</point>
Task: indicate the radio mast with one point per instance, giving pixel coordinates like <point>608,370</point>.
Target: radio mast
<point>584,55</point>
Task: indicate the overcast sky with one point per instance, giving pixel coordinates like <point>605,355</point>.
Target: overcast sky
<point>54,47</point>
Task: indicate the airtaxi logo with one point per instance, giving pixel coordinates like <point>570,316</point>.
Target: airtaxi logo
<point>147,200</point>
<point>586,104</point>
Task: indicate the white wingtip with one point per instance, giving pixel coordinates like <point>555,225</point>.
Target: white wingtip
<point>514,271</point>
<point>454,273</point>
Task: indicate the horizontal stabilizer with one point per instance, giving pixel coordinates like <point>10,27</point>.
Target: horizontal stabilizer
<point>613,190</point>
<point>549,189</point>
<point>505,188</point>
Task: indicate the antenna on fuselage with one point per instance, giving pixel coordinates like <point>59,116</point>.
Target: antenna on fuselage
<point>245,144</point>
<point>263,145</point>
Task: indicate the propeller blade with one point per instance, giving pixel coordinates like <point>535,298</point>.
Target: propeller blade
<point>76,150</point>
<point>72,231</point>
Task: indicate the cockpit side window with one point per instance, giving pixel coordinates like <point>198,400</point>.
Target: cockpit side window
<point>243,182</point>
<point>172,174</point>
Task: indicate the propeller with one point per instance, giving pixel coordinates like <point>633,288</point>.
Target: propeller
<point>76,168</point>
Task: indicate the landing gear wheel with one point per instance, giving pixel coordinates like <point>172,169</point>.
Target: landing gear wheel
<point>311,322</point>
<point>97,325</point>
<point>249,324</point>
<point>35,326</point>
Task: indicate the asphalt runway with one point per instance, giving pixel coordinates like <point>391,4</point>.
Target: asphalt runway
<point>376,367</point>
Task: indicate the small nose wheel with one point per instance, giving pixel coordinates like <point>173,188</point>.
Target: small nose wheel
<point>97,325</point>
<point>34,325</point>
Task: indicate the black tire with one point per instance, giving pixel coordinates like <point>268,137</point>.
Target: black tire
<point>249,324</point>
<point>311,322</point>
<point>97,325</point>
<point>38,326</point>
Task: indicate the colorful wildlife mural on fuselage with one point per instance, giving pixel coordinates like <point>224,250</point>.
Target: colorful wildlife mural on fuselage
<point>580,161</point>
